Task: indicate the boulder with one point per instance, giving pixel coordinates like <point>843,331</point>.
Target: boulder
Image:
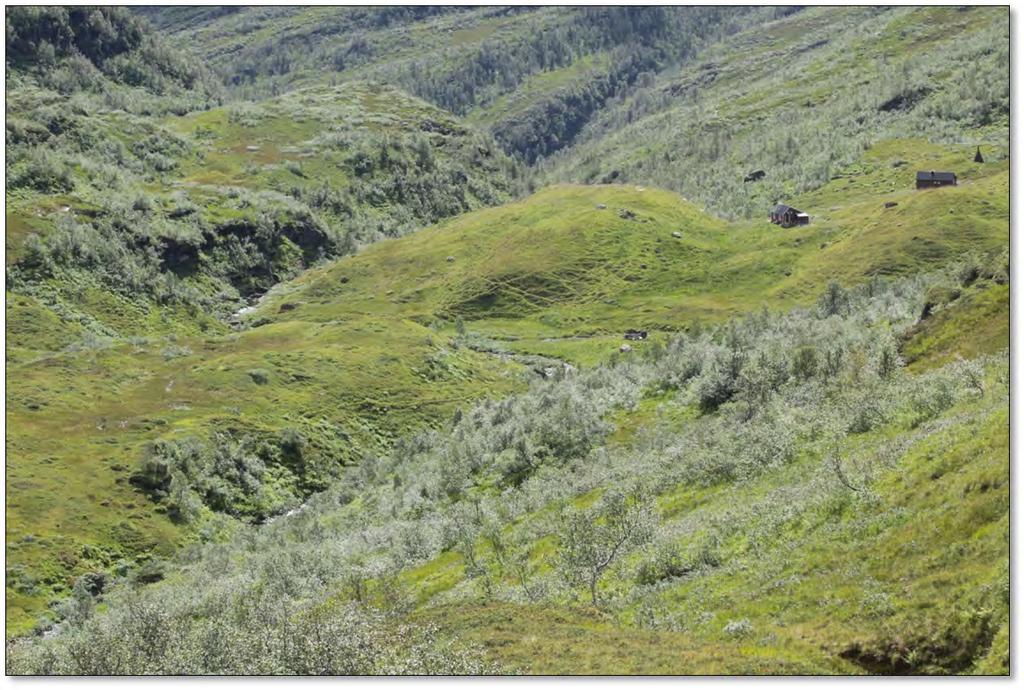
<point>677,234</point>
<point>625,348</point>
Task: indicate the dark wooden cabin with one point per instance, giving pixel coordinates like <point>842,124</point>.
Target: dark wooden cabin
<point>636,335</point>
<point>787,216</point>
<point>927,179</point>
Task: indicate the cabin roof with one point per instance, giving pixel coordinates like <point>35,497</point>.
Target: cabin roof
<point>932,176</point>
<point>782,208</point>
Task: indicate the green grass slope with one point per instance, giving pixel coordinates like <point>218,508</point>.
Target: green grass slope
<point>123,225</point>
<point>830,512</point>
<point>895,581</point>
<point>802,98</point>
<point>567,270</point>
<point>350,356</point>
<point>79,423</point>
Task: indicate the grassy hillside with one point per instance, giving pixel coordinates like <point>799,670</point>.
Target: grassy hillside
<point>781,505</point>
<point>572,267</point>
<point>532,76</point>
<point>315,350</point>
<point>801,98</point>
<point>125,225</point>
<point>348,357</point>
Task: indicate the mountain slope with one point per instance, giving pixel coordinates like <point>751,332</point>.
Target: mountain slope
<point>351,356</point>
<point>298,370</point>
<point>801,98</point>
<point>183,218</point>
<point>791,516</point>
<point>533,76</point>
<point>574,261</point>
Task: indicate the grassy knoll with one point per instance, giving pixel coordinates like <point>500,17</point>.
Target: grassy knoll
<point>556,274</point>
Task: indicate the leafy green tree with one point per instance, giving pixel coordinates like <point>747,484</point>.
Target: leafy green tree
<point>592,540</point>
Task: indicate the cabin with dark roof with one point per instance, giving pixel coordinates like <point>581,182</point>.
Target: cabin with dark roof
<point>926,179</point>
<point>787,216</point>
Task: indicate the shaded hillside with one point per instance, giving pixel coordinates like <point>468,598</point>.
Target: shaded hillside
<point>106,52</point>
<point>535,76</point>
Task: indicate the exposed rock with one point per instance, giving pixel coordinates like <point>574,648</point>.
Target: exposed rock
<point>890,204</point>
<point>450,259</point>
<point>677,234</point>
<point>625,348</point>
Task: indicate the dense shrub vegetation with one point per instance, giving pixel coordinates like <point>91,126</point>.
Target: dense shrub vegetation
<point>130,216</point>
<point>515,46</point>
<point>766,391</point>
<point>242,441</point>
<point>98,49</point>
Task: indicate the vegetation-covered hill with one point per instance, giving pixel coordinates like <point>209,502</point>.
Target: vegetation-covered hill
<point>125,225</point>
<point>801,98</point>
<point>347,358</point>
<point>104,56</point>
<point>686,98</point>
<point>533,76</point>
<point>769,496</point>
<point>575,261</point>
<point>315,330</point>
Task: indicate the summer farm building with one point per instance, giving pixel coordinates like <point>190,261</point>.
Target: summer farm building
<point>787,216</point>
<point>930,178</point>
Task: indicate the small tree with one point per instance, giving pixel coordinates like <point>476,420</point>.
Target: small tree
<point>886,355</point>
<point>591,540</point>
<point>834,301</point>
<point>468,531</point>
